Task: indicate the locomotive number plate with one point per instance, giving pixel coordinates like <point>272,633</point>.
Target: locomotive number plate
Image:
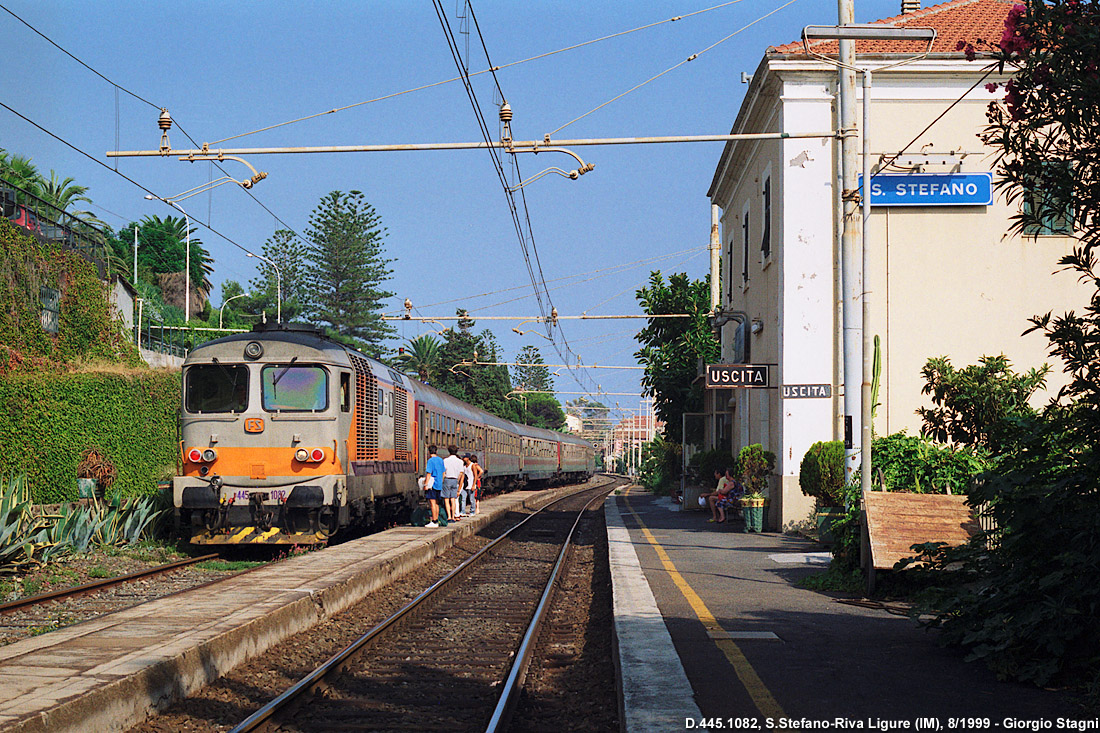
<point>254,425</point>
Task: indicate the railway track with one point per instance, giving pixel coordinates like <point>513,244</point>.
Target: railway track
<point>455,657</point>
<point>22,604</point>
<point>45,612</point>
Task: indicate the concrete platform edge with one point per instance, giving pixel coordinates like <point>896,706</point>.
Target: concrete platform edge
<point>128,701</point>
<point>656,694</point>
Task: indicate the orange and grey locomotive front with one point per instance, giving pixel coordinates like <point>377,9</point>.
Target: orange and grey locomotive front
<point>288,436</point>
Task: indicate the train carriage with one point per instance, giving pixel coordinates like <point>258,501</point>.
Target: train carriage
<point>288,436</point>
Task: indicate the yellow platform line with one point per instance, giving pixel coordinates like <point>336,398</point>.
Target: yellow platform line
<point>762,697</point>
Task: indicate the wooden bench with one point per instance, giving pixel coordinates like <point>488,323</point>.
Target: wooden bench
<point>894,522</point>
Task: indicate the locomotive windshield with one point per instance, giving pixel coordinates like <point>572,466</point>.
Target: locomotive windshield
<point>216,388</point>
<point>294,387</point>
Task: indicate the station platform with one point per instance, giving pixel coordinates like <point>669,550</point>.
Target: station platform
<point>112,672</point>
<point>713,633</point>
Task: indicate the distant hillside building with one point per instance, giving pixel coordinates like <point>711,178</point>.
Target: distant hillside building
<point>945,278</point>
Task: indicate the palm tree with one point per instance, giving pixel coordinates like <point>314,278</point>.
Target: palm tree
<point>18,170</point>
<point>63,194</point>
<point>421,356</point>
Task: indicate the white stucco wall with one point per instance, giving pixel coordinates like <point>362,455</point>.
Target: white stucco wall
<point>942,280</point>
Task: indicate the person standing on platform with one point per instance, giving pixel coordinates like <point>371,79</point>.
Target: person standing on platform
<point>478,471</point>
<point>466,494</point>
<point>433,474</point>
<point>452,469</point>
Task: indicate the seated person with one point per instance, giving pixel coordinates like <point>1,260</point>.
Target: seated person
<point>731,499</point>
<point>721,479</point>
<point>725,485</point>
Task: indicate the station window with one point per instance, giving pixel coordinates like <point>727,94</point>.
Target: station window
<point>1048,205</point>
<point>766,238</point>
<point>745,249</point>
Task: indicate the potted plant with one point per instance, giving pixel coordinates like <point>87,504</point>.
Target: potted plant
<point>821,475</point>
<point>756,463</point>
<point>752,506</point>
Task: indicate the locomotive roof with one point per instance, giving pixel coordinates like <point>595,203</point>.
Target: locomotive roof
<point>299,334</point>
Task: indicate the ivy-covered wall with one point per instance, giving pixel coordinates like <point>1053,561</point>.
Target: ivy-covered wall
<point>83,387</point>
<point>47,421</point>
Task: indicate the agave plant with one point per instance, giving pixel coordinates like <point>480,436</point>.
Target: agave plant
<point>21,542</point>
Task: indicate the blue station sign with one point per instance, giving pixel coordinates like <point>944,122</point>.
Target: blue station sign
<point>931,189</point>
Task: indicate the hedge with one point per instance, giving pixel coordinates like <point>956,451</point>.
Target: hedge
<point>47,421</point>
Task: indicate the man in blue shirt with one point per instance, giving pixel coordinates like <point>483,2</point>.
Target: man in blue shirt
<point>433,473</point>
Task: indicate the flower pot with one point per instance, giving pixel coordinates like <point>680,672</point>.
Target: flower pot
<point>753,510</point>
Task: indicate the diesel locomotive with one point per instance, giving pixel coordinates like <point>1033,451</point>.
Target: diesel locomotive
<point>288,437</point>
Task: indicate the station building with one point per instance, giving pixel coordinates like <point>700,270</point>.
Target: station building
<point>945,278</point>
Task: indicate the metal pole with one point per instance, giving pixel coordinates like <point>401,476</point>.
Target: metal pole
<point>278,286</point>
<point>851,261</point>
<point>715,259</point>
<point>187,260</point>
<point>187,277</point>
<point>221,313</point>
<point>866,423</point>
<point>141,307</point>
<point>683,453</point>
<point>518,146</point>
<point>135,255</point>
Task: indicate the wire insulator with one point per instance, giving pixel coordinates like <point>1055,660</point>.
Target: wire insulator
<point>505,112</point>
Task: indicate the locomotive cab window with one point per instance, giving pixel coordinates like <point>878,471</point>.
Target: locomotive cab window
<point>294,387</point>
<point>345,392</point>
<point>216,388</point>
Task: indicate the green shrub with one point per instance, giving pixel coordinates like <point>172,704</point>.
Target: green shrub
<point>706,462</point>
<point>47,421</point>
<point>756,464</point>
<point>87,331</point>
<point>821,474</point>
<point>918,465</point>
<point>660,465</point>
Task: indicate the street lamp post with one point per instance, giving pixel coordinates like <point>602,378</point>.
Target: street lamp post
<point>187,259</point>
<point>221,313</point>
<point>278,286</point>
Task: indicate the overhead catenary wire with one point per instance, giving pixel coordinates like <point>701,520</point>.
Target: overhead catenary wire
<point>95,160</point>
<point>140,98</point>
<point>74,58</point>
<point>672,68</point>
<point>478,73</point>
<point>603,272</point>
<point>939,117</point>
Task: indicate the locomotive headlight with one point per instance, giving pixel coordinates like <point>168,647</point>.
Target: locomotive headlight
<point>209,455</point>
<point>317,455</point>
<point>253,350</point>
<point>301,455</point>
<point>194,455</point>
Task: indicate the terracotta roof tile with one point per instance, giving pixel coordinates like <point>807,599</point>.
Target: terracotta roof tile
<point>958,20</point>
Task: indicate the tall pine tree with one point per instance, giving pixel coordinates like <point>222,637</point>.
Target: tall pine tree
<point>288,253</point>
<point>347,268</point>
<point>529,373</point>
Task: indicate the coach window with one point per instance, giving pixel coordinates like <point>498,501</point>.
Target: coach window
<point>216,388</point>
<point>294,387</point>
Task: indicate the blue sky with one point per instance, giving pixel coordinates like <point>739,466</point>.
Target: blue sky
<point>223,69</point>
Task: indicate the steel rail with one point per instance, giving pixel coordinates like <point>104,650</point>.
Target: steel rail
<point>517,675</point>
<point>263,717</point>
<point>100,584</point>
